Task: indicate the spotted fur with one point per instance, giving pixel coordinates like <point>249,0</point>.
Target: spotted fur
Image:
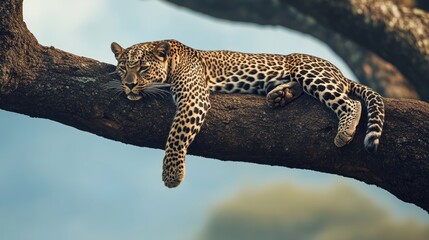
<point>192,74</point>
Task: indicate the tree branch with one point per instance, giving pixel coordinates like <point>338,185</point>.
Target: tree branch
<point>368,67</point>
<point>50,83</point>
<point>396,33</point>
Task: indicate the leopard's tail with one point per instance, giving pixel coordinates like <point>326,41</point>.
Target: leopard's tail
<point>375,110</point>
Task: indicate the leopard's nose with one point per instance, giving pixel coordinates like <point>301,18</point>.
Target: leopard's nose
<point>130,85</point>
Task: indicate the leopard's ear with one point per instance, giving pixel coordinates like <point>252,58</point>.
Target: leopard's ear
<point>117,50</point>
<point>162,50</point>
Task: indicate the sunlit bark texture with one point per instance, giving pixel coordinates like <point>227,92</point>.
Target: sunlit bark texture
<point>49,83</point>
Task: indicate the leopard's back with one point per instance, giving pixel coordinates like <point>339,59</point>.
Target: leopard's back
<point>274,75</point>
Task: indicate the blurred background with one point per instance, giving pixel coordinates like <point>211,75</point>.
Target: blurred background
<point>57,182</point>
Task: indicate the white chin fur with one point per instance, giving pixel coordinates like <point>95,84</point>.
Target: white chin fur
<point>134,97</point>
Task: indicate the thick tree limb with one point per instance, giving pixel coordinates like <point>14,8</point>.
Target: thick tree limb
<point>370,69</point>
<point>49,83</point>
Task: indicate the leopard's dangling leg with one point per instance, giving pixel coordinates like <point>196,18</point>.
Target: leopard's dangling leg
<point>192,101</point>
<point>283,94</point>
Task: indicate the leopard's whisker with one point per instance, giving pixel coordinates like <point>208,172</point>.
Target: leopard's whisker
<point>156,88</point>
<point>116,85</point>
<point>163,93</point>
<point>149,94</point>
<point>157,91</point>
<point>159,85</point>
<point>157,94</point>
<point>119,92</point>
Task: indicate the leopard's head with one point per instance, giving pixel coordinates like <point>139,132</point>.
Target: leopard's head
<point>143,68</point>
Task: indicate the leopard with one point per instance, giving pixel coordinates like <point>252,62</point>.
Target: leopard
<point>190,75</point>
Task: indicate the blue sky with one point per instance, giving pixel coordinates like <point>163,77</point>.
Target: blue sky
<point>57,182</point>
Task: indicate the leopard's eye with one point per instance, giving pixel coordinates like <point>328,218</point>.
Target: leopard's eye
<point>143,69</point>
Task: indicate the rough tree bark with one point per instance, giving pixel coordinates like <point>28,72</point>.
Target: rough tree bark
<point>49,83</point>
<point>397,33</point>
<point>370,69</point>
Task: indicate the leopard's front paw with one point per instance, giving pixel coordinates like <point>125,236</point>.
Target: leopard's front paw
<point>173,177</point>
<point>279,98</point>
<point>172,183</point>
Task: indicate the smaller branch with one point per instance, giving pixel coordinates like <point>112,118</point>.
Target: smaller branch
<point>382,75</point>
<point>370,69</point>
<point>396,33</point>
